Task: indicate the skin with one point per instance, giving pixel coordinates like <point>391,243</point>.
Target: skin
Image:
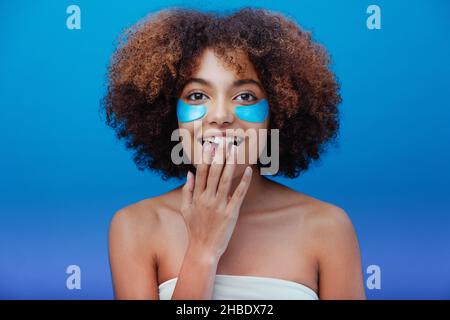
<point>241,225</point>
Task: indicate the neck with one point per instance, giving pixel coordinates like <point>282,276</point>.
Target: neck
<point>258,186</point>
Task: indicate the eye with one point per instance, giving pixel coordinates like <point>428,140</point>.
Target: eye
<point>196,96</point>
<point>246,97</point>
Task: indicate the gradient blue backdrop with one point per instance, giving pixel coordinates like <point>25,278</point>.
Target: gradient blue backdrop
<point>63,174</point>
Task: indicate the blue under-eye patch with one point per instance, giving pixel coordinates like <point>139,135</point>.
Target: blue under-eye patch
<point>188,112</point>
<point>253,113</point>
<point>257,112</point>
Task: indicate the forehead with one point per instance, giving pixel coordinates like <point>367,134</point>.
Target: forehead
<point>213,67</point>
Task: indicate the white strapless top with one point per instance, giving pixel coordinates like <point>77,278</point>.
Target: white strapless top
<point>231,287</point>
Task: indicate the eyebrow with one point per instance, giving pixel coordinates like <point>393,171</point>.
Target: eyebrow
<point>236,83</point>
<point>241,82</point>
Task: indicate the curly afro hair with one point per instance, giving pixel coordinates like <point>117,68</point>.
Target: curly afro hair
<point>155,57</point>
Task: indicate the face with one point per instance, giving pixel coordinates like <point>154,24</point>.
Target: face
<point>221,108</point>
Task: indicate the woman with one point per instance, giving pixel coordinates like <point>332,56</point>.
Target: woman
<point>228,232</point>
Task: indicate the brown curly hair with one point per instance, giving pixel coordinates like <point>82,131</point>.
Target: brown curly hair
<point>155,57</point>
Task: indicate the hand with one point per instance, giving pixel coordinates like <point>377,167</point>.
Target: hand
<point>209,212</point>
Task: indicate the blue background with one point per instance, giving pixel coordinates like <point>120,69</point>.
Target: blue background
<point>63,174</point>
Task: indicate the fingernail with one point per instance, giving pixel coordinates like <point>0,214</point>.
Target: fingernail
<point>248,171</point>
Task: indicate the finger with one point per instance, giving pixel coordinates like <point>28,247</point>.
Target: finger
<point>202,170</point>
<point>226,179</point>
<point>241,190</point>
<point>187,192</point>
<point>215,170</point>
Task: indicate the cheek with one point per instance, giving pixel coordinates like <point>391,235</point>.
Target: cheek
<point>262,141</point>
<point>255,141</point>
<point>186,132</point>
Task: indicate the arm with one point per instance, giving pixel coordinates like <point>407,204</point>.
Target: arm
<point>340,273</point>
<point>132,262</point>
<point>197,274</point>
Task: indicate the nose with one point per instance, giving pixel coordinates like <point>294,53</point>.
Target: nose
<point>219,113</point>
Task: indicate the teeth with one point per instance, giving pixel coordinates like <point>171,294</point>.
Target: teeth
<point>213,140</point>
<point>216,140</point>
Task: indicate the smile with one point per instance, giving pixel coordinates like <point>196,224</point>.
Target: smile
<point>221,140</point>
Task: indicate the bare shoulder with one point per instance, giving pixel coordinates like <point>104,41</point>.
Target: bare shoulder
<point>142,221</point>
<point>330,230</point>
<point>136,217</point>
<point>326,218</point>
<point>317,216</point>
<point>135,242</point>
<point>333,243</point>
